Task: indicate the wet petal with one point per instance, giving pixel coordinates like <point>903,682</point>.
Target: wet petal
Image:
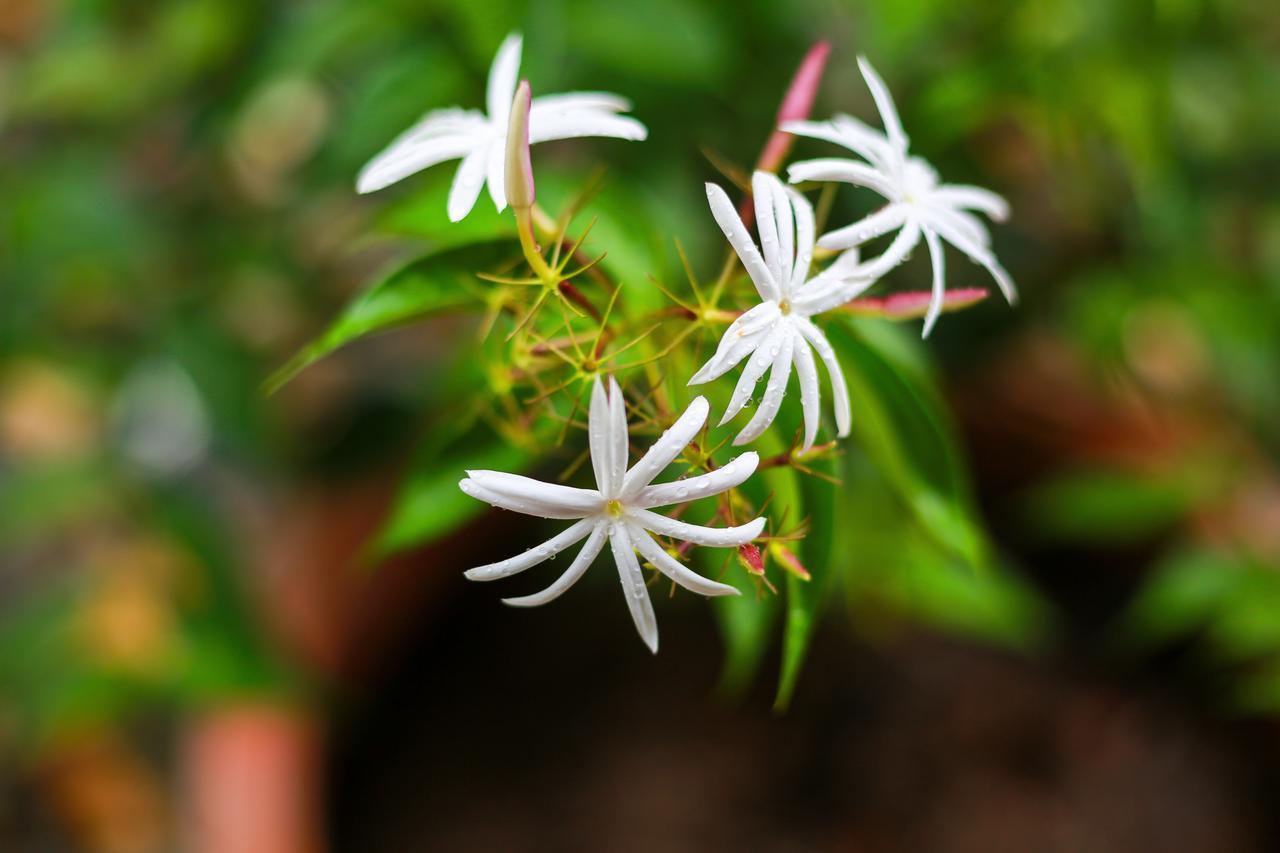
<point>540,553</point>
<point>579,566</point>
<point>669,566</point>
<point>734,473</point>
<point>668,446</point>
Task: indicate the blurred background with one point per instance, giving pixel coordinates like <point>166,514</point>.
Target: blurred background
<point>196,652</point>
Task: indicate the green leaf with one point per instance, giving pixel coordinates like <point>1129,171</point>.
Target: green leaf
<point>434,284</point>
<point>430,504</point>
<point>817,499</point>
<point>900,424</point>
<point>1107,506</point>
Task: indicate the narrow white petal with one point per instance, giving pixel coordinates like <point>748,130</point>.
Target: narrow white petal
<point>852,133</point>
<point>544,127</point>
<point>715,537</point>
<point>804,239</point>
<point>617,435</point>
<point>503,75</point>
<point>598,438</point>
<point>497,178</point>
<point>963,221</point>
<point>633,588</point>
<point>668,446</point>
<point>579,566</point>
<point>839,391</point>
<point>939,281</point>
<point>404,158</point>
<point>727,476</point>
<point>731,224</point>
<point>671,567</point>
<point>869,227</point>
<point>767,223</point>
<point>530,496</point>
<point>738,341</point>
<point>771,400</point>
<point>824,293</point>
<point>467,182</point>
<point>848,171</point>
<point>895,254</point>
<point>755,367</point>
<point>947,231</point>
<point>731,351</point>
<point>782,211</point>
<point>884,103</point>
<point>540,553</point>
<point>810,393</point>
<point>974,198</point>
<point>568,101</point>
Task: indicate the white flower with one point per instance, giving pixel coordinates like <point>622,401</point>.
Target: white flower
<point>778,333</point>
<point>479,140</point>
<point>618,510</point>
<point>918,204</point>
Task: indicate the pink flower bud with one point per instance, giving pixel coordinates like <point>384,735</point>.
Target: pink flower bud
<point>519,173</point>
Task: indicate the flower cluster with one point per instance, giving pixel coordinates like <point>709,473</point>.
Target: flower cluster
<point>797,277</point>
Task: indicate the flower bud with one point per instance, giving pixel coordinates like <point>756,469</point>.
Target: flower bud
<point>519,169</point>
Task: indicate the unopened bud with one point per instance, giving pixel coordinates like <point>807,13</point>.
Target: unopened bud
<point>519,174</point>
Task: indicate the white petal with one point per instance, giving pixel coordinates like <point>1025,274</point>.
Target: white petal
<point>633,587</point>
<point>756,366</point>
<point>825,293</point>
<point>569,537</point>
<point>739,340</point>
<point>884,103</point>
<point>881,222</point>
<point>497,178</point>
<point>579,566</point>
<point>852,133</point>
<point>895,254</point>
<point>848,171</point>
<point>839,391</point>
<point>786,231</point>
<point>530,496</point>
<point>804,239</point>
<point>617,435</point>
<point>467,182</point>
<point>963,221</point>
<point>731,224</point>
<point>504,73</point>
<point>402,159</point>
<point>568,125</point>
<point>771,400</point>
<point>734,473</point>
<point>939,281</point>
<point>716,537</point>
<point>669,566</point>
<point>978,254</point>
<point>567,101</point>
<point>767,224</point>
<point>598,438</point>
<point>665,449</point>
<point>973,198</point>
<point>810,393</point>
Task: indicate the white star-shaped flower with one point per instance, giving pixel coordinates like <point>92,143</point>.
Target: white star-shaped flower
<point>919,206</point>
<point>778,333</point>
<point>479,140</point>
<point>619,510</point>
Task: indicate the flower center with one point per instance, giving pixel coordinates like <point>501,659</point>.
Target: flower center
<point>613,508</point>
<point>785,307</point>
